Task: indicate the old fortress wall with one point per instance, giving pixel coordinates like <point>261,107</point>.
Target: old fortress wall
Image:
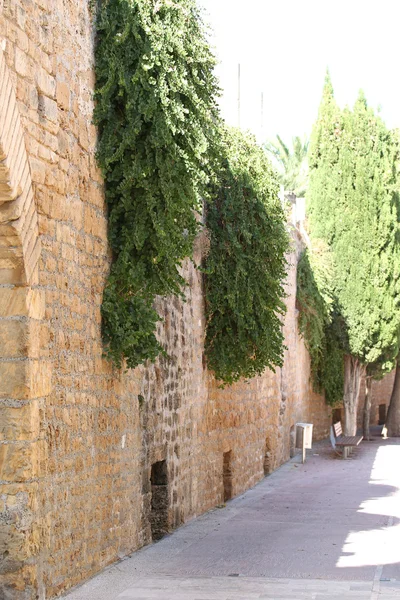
<point>95,463</point>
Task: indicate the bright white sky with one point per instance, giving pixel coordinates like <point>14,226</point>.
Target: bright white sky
<point>284,47</point>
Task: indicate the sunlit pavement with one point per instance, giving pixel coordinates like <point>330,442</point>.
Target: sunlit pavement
<point>327,529</point>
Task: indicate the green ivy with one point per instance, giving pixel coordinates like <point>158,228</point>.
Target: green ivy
<point>314,314</point>
<point>246,264</point>
<point>331,375</point>
<point>319,324</point>
<point>157,116</point>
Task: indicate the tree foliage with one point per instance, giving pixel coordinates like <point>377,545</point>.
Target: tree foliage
<point>353,205</point>
<point>367,236</point>
<point>323,159</point>
<point>292,164</point>
<point>156,113</point>
<point>319,323</point>
<point>246,264</point>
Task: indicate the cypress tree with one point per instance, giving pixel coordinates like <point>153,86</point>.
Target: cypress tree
<point>354,206</point>
<point>368,245</point>
<point>323,165</point>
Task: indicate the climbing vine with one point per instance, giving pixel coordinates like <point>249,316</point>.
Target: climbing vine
<point>246,266</point>
<point>156,113</point>
<point>320,325</point>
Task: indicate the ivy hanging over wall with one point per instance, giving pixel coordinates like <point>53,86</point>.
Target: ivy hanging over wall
<point>162,149</point>
<point>246,264</point>
<point>314,311</point>
<point>157,116</point>
<point>320,326</point>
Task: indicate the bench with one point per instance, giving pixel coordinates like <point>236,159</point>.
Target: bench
<point>342,441</point>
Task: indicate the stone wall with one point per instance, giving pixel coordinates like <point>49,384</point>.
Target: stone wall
<point>255,419</point>
<point>380,397</point>
<point>95,462</point>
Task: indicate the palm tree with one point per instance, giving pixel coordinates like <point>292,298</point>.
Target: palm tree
<point>292,165</point>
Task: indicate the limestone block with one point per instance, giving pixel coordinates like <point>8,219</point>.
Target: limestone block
<point>63,143</point>
<point>14,171</point>
<point>20,339</point>
<point>24,379</point>
<point>22,302</point>
<point>13,338</point>
<point>19,461</point>
<point>38,170</point>
<point>8,240</point>
<point>11,211</point>
<point>63,95</point>
<point>46,83</point>
<point>21,63</point>
<point>13,545</point>
<point>19,423</point>
<point>48,109</point>
<point>8,252</point>
<point>95,223</point>
<point>14,275</point>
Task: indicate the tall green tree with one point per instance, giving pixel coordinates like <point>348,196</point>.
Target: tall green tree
<point>323,159</point>
<point>291,163</point>
<point>393,415</point>
<point>353,205</point>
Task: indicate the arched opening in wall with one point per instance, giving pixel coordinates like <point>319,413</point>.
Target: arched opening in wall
<point>25,377</point>
<point>292,443</point>
<point>227,475</point>
<point>382,414</point>
<point>159,500</point>
<point>336,415</point>
<point>267,459</point>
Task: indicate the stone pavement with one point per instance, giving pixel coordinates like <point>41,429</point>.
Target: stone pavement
<point>327,529</point>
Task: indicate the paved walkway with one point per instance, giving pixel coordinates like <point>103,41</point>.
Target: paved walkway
<point>329,529</point>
